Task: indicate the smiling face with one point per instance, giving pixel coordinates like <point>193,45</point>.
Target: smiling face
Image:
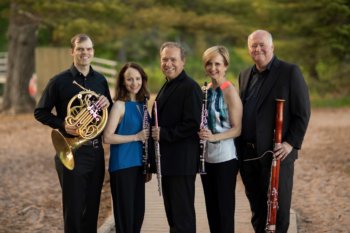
<point>215,67</point>
<point>132,82</point>
<point>82,53</point>
<point>260,48</point>
<point>171,62</point>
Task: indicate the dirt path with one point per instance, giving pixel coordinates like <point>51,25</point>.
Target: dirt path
<point>321,194</point>
<point>30,193</point>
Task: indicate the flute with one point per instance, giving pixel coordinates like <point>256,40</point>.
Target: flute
<point>203,125</point>
<point>145,125</point>
<point>157,152</point>
<point>272,202</point>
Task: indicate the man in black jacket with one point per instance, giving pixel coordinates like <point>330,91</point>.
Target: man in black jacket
<point>81,187</point>
<point>260,85</point>
<point>179,113</point>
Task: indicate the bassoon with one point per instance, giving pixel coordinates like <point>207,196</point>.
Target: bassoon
<point>157,151</point>
<point>145,126</point>
<point>203,125</point>
<point>272,201</point>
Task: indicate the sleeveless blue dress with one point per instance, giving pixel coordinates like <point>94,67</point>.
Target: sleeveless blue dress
<point>128,154</point>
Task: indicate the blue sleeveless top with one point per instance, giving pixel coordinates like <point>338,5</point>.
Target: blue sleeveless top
<point>129,154</point>
<point>218,118</point>
<point>218,122</point>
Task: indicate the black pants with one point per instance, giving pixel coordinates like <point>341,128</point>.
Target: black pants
<point>128,193</point>
<point>178,196</point>
<point>219,185</point>
<point>256,176</point>
<point>81,189</point>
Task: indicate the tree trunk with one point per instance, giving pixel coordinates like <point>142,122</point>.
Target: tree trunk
<point>313,71</point>
<point>21,64</point>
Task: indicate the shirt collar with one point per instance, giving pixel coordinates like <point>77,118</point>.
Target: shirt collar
<point>177,79</point>
<point>75,72</point>
<point>268,67</point>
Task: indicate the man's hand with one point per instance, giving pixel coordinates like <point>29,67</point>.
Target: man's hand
<point>72,130</point>
<point>103,102</point>
<point>155,133</point>
<point>282,150</point>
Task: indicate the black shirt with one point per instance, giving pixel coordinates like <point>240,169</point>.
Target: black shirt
<point>250,100</point>
<point>60,90</point>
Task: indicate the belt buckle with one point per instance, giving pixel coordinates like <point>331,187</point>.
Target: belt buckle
<point>95,143</point>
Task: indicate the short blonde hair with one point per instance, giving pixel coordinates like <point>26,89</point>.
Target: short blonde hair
<point>216,50</point>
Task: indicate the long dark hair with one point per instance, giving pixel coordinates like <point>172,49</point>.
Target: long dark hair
<point>121,93</point>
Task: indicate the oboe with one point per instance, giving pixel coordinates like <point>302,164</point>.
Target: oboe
<point>203,125</point>
<point>157,152</point>
<point>272,202</point>
<point>145,126</point>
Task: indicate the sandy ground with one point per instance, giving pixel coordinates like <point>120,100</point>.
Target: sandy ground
<point>30,196</point>
<point>321,194</point>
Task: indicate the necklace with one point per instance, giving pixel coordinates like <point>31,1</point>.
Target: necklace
<point>139,109</point>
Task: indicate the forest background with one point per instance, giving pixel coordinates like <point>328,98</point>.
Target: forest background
<point>313,34</point>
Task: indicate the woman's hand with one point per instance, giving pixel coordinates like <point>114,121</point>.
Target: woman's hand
<point>143,135</point>
<point>206,134</point>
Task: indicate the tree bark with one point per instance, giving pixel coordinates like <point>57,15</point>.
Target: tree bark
<point>21,65</point>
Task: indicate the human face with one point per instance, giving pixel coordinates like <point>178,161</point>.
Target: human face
<point>171,63</point>
<point>216,67</point>
<point>83,53</point>
<point>260,49</point>
<point>132,82</point>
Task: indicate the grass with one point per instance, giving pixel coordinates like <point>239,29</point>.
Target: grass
<point>330,101</point>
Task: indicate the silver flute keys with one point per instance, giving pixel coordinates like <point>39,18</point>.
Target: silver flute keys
<point>145,126</point>
<point>157,152</point>
<point>203,125</point>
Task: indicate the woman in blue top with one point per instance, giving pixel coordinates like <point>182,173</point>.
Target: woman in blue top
<point>124,131</point>
<point>224,124</point>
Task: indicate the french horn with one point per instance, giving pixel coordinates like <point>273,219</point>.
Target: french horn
<point>89,119</point>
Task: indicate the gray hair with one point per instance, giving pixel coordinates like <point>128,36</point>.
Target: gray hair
<point>173,44</point>
<point>268,34</point>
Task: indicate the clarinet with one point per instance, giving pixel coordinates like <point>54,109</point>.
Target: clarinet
<point>272,202</point>
<point>203,125</point>
<point>145,125</point>
<point>157,153</point>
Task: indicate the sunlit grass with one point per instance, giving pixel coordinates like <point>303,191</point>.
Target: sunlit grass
<point>330,102</point>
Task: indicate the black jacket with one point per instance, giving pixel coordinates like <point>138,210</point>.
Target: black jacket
<point>179,114</point>
<point>285,81</point>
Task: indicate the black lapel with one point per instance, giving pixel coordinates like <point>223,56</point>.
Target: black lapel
<point>170,90</point>
<point>269,82</point>
<point>245,80</point>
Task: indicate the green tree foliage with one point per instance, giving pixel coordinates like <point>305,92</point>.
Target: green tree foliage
<point>315,34</point>
<point>312,33</point>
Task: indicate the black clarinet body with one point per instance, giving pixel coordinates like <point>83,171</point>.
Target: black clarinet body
<point>203,125</point>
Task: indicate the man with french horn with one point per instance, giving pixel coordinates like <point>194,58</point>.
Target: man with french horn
<point>81,98</point>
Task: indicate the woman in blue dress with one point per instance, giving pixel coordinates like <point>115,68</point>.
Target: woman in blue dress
<point>124,131</point>
<point>224,124</point>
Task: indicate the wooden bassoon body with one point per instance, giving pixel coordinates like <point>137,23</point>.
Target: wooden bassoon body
<point>272,201</point>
